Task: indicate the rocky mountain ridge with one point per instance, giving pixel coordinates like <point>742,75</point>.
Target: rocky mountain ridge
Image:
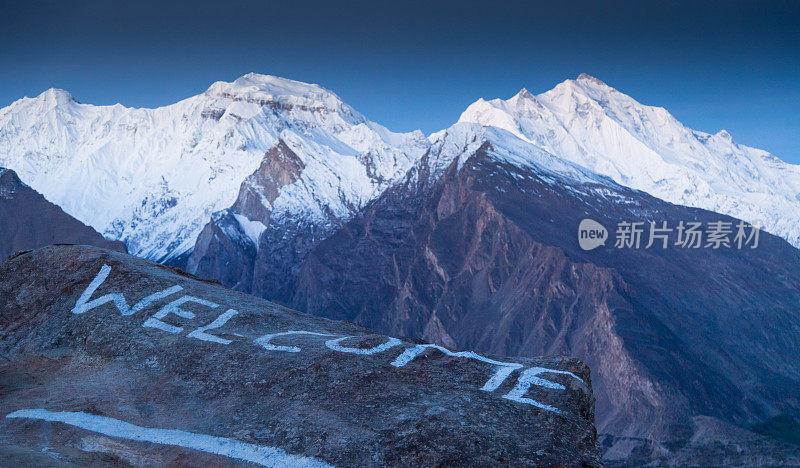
<point>29,221</point>
<point>153,178</point>
<point>468,239</point>
<point>485,255</point>
<point>108,359</point>
<point>587,122</point>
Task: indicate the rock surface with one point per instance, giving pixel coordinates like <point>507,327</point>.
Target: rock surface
<point>103,356</point>
<point>480,251</point>
<point>29,221</point>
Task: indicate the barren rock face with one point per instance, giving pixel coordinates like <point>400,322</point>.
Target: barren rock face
<point>28,221</point>
<point>109,359</point>
<point>225,250</point>
<point>487,258</point>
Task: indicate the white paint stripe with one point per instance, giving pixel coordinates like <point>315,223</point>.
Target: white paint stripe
<point>83,304</point>
<point>530,377</point>
<point>153,298</point>
<point>264,341</point>
<point>260,454</point>
<point>410,353</point>
<point>201,334</point>
<point>174,307</point>
<point>334,345</point>
<point>498,378</point>
<point>506,368</point>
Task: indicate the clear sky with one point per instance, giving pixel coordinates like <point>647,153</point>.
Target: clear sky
<point>418,64</point>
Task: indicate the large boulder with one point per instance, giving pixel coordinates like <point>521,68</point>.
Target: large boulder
<point>108,359</point>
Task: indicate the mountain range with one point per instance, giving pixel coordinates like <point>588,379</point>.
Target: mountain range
<point>153,178</point>
<point>689,348</point>
<point>589,123</point>
<point>468,238</point>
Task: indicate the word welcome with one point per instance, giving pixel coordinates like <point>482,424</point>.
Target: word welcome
<point>527,377</point>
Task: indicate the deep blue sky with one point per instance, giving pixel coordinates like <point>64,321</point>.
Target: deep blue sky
<point>724,64</point>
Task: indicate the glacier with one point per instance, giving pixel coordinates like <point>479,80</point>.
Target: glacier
<point>592,124</point>
<point>153,178</point>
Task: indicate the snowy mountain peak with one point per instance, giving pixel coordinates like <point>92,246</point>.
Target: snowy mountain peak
<point>153,177</point>
<point>56,95</point>
<point>523,94</point>
<point>51,98</point>
<point>725,135</point>
<point>592,124</point>
<point>266,84</point>
<point>273,90</point>
<point>585,78</point>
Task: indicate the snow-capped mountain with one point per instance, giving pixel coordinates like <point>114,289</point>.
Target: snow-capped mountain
<point>279,189</point>
<point>153,177</point>
<point>465,138</point>
<point>477,248</point>
<point>589,123</point>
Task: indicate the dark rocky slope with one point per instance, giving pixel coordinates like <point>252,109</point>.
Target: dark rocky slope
<point>690,348</point>
<point>29,221</point>
<point>223,249</point>
<point>101,353</point>
<point>478,249</point>
<point>251,248</point>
